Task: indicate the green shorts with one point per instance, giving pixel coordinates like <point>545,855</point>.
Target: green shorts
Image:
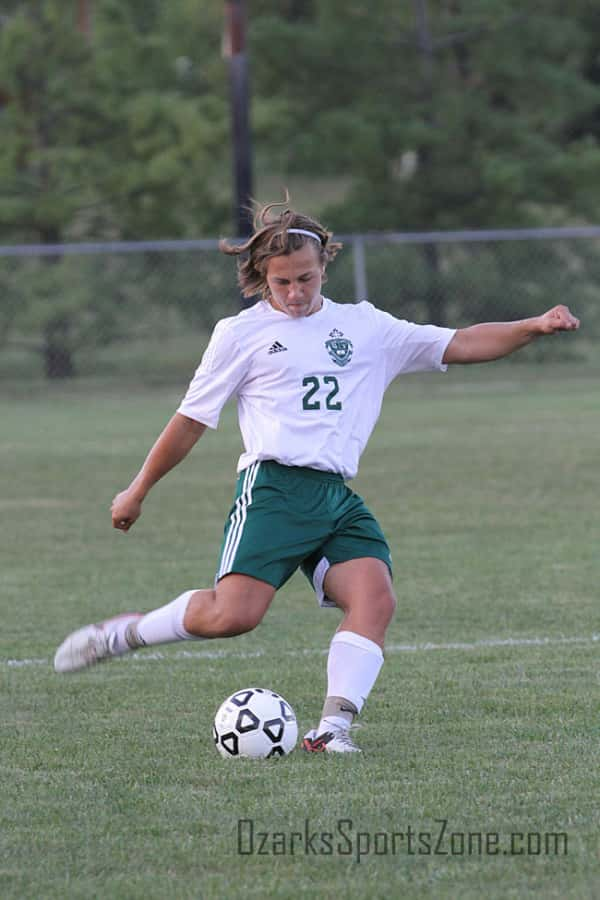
<point>285,517</point>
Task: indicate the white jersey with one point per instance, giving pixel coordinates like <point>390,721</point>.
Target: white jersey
<point>309,389</point>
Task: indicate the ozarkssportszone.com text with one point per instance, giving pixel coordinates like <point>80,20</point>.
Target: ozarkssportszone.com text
<point>345,839</point>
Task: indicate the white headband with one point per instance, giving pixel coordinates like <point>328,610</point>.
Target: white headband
<point>304,231</point>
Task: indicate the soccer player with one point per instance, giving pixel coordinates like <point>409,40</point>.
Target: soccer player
<point>309,376</point>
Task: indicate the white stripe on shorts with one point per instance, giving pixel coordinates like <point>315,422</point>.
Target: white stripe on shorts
<point>237,520</point>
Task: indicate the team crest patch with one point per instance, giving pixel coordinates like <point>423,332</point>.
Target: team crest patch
<point>339,348</point>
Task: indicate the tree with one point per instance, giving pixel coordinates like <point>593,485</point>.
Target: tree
<point>445,114</point>
<point>463,120</point>
<point>166,162</point>
<point>119,136</point>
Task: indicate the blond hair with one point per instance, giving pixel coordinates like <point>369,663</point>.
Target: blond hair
<point>271,238</point>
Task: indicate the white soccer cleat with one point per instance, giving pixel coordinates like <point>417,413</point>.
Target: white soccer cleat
<point>338,741</point>
<point>90,645</point>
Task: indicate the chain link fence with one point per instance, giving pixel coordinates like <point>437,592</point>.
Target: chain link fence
<point>148,308</point>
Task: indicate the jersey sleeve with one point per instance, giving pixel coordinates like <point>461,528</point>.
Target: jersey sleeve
<point>221,372</point>
<point>410,347</point>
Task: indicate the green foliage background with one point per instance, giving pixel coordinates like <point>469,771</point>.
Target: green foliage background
<point>483,115</point>
<point>473,114</point>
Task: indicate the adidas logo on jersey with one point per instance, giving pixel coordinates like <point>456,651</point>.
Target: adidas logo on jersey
<point>277,348</point>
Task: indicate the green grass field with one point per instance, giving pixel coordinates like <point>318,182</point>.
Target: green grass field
<point>485,716</point>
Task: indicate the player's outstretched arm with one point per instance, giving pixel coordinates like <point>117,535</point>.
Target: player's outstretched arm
<point>173,445</point>
<point>492,340</point>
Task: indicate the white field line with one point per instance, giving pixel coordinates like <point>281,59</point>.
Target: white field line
<point>486,643</point>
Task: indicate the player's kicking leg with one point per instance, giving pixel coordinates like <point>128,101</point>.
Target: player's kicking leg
<point>94,643</point>
<point>235,606</point>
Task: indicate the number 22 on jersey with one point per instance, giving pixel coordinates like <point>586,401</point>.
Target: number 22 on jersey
<point>313,396</point>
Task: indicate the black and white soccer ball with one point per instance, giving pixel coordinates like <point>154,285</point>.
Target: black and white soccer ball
<point>255,723</point>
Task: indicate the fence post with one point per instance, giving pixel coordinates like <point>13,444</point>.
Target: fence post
<point>361,291</point>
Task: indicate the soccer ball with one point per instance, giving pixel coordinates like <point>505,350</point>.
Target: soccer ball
<point>256,723</point>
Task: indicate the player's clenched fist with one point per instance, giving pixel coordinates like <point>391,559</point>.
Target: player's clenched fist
<point>125,509</point>
<point>559,318</point>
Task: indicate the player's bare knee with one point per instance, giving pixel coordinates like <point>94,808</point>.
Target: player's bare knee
<point>241,604</point>
<point>384,604</point>
<point>393,604</point>
<point>229,621</point>
<point>200,608</point>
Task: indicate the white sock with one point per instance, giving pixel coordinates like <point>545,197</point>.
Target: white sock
<point>353,664</point>
<point>165,624</point>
